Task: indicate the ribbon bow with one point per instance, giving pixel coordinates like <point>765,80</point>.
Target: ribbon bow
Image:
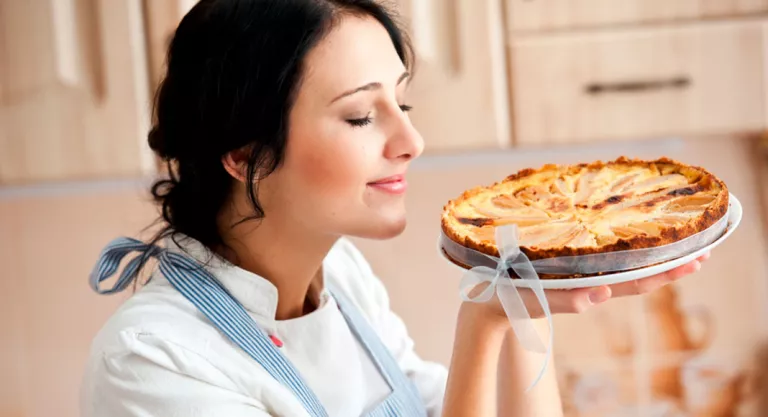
<point>501,284</point>
<point>109,263</point>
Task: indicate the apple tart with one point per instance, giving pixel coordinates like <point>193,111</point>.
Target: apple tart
<point>589,208</point>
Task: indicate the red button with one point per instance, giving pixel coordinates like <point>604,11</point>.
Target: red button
<point>276,341</point>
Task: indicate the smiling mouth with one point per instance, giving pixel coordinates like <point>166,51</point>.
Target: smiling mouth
<point>393,185</point>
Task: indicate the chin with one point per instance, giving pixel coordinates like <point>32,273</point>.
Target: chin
<point>382,229</point>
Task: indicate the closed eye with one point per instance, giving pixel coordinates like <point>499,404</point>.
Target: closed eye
<point>363,121</point>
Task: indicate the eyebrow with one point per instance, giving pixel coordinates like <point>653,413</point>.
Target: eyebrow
<point>368,87</point>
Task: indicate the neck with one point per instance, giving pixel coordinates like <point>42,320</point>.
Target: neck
<point>285,254</point>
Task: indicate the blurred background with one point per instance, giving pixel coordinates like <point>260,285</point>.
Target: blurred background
<point>501,85</point>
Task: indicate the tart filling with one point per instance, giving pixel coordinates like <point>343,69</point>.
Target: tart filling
<point>590,208</point>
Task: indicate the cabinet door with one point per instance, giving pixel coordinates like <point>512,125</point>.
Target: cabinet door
<point>459,91</point>
<point>634,84</point>
<point>74,101</point>
<point>161,20</point>
<point>528,15</point>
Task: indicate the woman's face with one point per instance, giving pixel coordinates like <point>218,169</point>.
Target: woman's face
<point>350,140</point>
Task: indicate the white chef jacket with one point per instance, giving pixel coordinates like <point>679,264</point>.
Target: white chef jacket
<point>159,356</point>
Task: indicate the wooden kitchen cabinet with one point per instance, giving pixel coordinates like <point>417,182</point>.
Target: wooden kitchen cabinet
<point>459,91</point>
<point>74,101</point>
<point>77,76</point>
<point>639,83</point>
<point>544,15</point>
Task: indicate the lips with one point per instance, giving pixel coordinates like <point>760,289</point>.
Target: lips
<point>395,184</point>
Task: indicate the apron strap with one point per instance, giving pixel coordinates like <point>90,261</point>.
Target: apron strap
<point>207,294</point>
<point>405,395</point>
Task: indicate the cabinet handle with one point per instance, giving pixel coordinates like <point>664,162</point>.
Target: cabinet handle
<point>71,48</point>
<point>423,27</point>
<point>453,18</point>
<point>675,83</point>
<point>94,48</point>
<point>432,43</point>
<point>63,14</point>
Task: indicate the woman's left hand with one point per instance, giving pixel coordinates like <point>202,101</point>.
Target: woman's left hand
<point>581,299</point>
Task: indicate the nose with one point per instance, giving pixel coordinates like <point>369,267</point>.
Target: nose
<point>404,142</point>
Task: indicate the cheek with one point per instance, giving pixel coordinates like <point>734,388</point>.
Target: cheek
<point>329,172</point>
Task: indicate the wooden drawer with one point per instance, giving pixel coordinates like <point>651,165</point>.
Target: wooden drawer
<point>700,79</point>
<point>532,15</point>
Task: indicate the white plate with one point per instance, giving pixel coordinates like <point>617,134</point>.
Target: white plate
<point>734,218</point>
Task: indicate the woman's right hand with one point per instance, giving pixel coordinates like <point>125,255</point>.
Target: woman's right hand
<point>579,300</point>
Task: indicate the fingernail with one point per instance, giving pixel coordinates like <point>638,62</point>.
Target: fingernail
<point>697,266</point>
<point>598,296</point>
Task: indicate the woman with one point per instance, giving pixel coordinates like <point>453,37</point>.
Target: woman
<point>284,123</point>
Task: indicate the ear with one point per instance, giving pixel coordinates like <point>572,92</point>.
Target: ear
<point>236,164</point>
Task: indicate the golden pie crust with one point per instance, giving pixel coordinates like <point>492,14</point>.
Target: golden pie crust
<point>590,208</point>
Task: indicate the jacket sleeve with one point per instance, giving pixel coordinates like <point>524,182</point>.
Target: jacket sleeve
<point>149,376</point>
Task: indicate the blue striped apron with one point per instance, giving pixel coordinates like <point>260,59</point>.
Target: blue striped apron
<point>203,290</point>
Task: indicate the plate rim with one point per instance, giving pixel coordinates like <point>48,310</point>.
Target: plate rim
<point>735,214</point>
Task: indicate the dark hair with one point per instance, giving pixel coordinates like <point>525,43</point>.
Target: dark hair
<point>234,68</point>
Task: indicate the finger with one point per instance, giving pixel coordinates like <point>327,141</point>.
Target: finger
<point>652,283</point>
<point>566,301</point>
<point>640,286</point>
<point>681,271</point>
<point>705,257</point>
